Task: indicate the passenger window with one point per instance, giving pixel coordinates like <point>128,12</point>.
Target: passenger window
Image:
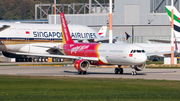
<point>131,51</point>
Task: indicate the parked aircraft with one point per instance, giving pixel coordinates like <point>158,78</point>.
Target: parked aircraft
<point>87,54</point>
<point>27,37</point>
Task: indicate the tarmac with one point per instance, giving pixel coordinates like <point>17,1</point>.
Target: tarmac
<point>93,72</point>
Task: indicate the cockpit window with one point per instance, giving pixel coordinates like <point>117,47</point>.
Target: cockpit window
<point>137,51</point>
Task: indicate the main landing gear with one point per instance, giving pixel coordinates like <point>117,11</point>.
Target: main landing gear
<point>133,70</point>
<point>79,72</point>
<point>118,70</point>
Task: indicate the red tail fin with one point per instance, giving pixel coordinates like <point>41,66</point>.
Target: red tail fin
<point>65,31</point>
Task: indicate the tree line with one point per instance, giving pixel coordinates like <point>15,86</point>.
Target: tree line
<point>25,9</point>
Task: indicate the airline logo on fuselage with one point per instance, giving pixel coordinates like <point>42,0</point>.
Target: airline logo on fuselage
<point>79,48</point>
<point>59,35</point>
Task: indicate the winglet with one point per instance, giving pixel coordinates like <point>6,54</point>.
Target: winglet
<point>127,36</point>
<point>65,31</point>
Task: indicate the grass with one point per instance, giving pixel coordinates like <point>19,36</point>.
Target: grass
<point>155,62</point>
<point>28,88</point>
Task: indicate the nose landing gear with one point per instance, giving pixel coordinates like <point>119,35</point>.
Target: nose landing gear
<point>133,71</point>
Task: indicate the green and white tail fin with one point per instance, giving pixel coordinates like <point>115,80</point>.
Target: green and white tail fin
<point>176,20</point>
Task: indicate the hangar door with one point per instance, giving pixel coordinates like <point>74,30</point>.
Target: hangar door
<point>132,14</point>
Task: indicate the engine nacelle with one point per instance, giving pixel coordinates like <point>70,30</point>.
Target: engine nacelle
<point>82,65</point>
<point>140,67</point>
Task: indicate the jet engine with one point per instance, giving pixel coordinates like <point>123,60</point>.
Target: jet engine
<point>140,67</point>
<point>82,65</point>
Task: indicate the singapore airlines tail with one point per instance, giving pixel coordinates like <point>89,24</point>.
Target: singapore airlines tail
<point>65,31</point>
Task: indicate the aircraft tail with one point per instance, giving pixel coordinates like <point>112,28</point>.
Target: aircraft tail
<point>127,36</point>
<point>102,31</point>
<point>176,20</point>
<point>65,31</point>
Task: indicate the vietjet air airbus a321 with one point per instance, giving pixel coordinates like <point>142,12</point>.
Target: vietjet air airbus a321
<point>87,54</point>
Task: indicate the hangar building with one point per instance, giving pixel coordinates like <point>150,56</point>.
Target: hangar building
<point>146,19</point>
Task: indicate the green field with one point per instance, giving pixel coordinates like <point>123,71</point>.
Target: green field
<point>26,88</point>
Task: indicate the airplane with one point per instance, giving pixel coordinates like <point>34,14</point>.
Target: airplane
<point>28,38</point>
<point>160,49</point>
<point>176,25</point>
<point>87,54</point>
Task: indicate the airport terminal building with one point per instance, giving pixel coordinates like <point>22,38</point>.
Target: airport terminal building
<point>145,19</point>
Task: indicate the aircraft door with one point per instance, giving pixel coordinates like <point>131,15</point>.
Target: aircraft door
<point>124,57</point>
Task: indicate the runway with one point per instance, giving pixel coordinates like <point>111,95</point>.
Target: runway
<point>94,72</point>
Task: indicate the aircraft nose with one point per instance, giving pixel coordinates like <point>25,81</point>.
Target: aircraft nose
<point>140,58</point>
<point>143,58</point>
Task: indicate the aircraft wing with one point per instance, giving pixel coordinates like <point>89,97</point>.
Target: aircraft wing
<point>162,41</point>
<point>48,47</point>
<point>61,56</point>
<point>51,49</point>
<point>159,53</point>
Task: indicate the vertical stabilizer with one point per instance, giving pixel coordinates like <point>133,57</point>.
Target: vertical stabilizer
<point>102,31</point>
<point>65,31</point>
<point>176,20</point>
<point>127,36</point>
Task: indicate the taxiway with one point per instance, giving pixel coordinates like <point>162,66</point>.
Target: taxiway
<point>95,72</point>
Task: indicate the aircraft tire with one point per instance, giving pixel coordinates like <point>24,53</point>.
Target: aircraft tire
<point>39,59</point>
<point>84,72</point>
<point>134,73</point>
<point>53,59</point>
<point>79,72</point>
<point>42,59</point>
<point>121,70</point>
<point>116,70</point>
<point>30,59</point>
<point>58,60</point>
<point>46,59</point>
<point>34,60</point>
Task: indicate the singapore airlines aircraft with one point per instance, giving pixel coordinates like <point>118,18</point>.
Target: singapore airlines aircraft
<point>28,38</point>
<point>87,54</point>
